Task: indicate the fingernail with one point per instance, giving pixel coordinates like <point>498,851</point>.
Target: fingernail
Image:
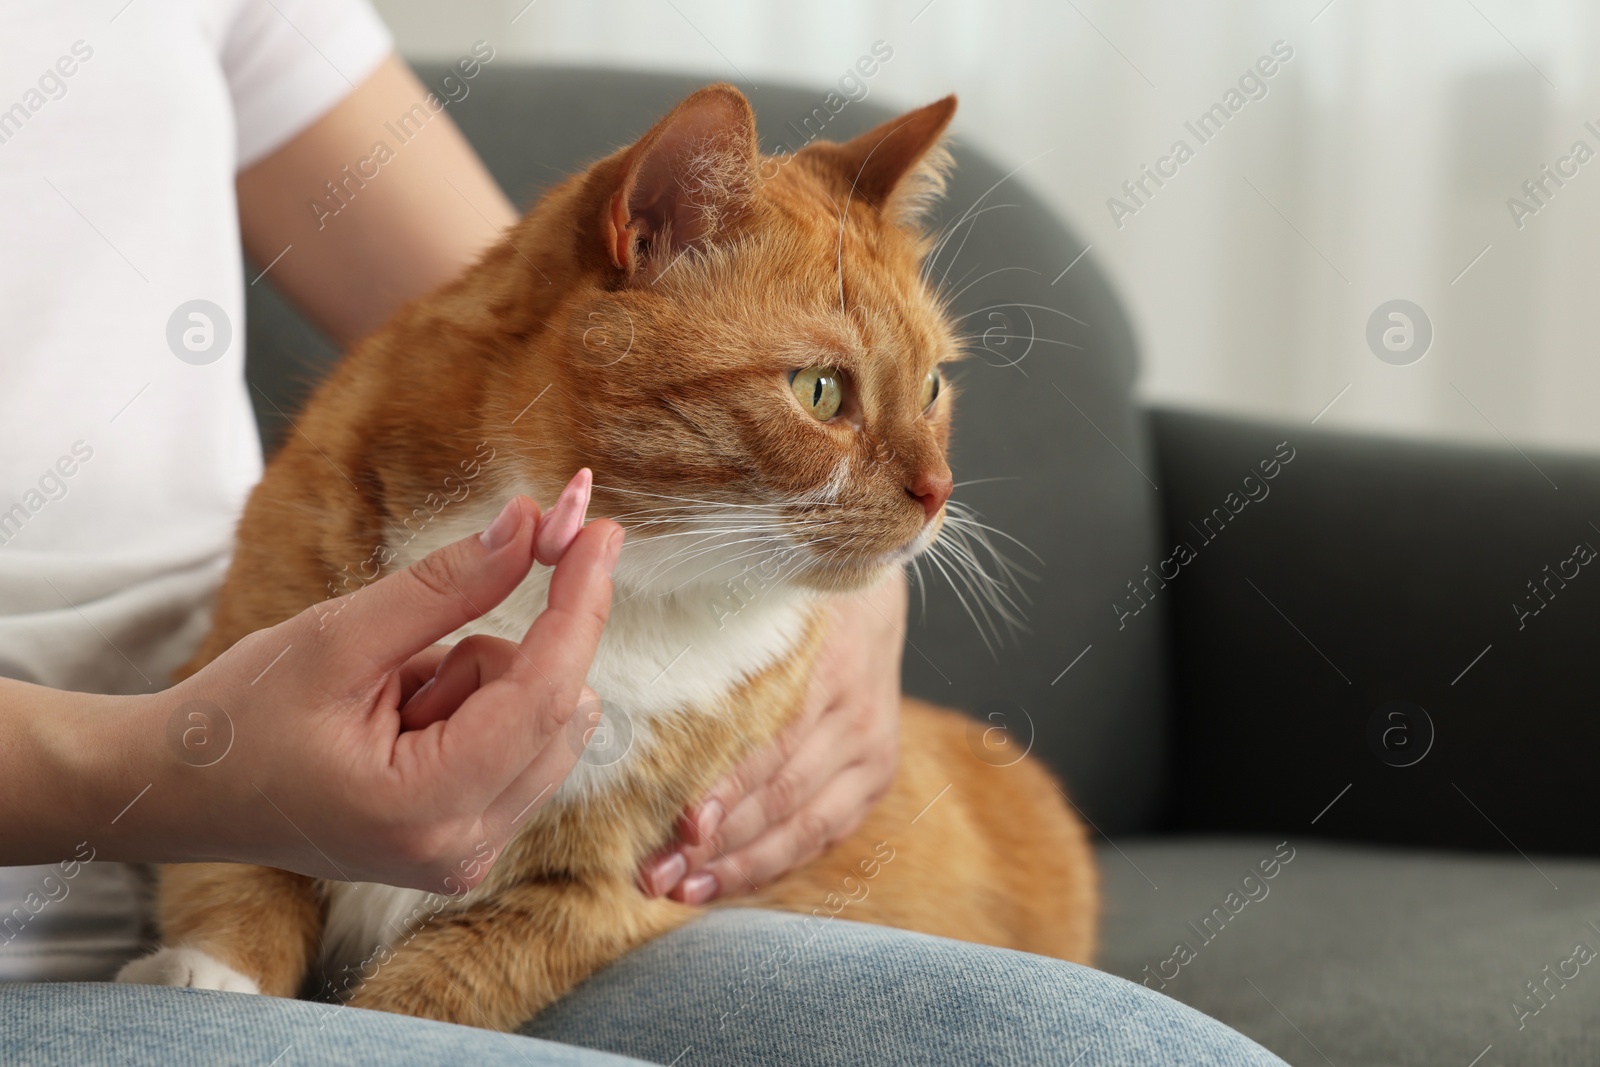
<point>503,528</point>
<point>708,818</point>
<point>613,550</point>
<point>416,698</point>
<point>563,521</point>
<point>665,873</point>
<point>698,888</point>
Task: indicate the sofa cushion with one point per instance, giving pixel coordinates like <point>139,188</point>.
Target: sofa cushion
<point>1049,446</point>
<point>1365,955</point>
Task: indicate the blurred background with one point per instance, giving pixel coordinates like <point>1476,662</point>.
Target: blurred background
<point>1383,158</point>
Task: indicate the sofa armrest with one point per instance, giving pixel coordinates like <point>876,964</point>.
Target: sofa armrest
<point>1386,640</point>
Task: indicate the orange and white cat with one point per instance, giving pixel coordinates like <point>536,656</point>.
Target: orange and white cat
<point>748,357</point>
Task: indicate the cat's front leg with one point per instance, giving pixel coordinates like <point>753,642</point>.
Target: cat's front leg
<point>234,927</point>
<point>189,968</point>
<point>505,958</point>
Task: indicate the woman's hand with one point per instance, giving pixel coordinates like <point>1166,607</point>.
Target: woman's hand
<point>791,800</point>
<point>354,750</point>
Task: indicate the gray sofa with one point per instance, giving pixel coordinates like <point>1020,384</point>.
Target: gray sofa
<point>1250,648</point>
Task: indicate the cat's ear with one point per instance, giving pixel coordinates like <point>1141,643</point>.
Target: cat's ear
<point>686,180</point>
<point>901,165</point>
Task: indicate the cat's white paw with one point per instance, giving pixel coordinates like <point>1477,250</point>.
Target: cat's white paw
<point>187,967</point>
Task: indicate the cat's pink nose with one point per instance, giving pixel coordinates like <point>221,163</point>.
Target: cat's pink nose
<point>931,491</point>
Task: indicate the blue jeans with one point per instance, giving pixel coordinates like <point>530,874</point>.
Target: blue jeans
<point>736,987</point>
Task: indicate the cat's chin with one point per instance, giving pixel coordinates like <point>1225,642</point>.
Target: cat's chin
<point>849,578</point>
<point>857,573</point>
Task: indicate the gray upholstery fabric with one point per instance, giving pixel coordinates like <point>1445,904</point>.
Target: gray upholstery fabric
<point>1399,561</point>
<point>1374,957</point>
<point>1046,408</point>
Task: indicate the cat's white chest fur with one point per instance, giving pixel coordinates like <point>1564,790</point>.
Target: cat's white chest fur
<point>677,638</point>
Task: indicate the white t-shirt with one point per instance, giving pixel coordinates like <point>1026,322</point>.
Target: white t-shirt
<point>127,440</point>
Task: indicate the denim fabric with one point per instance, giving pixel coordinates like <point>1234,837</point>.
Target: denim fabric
<point>95,1024</point>
<point>737,987</point>
<point>754,987</point>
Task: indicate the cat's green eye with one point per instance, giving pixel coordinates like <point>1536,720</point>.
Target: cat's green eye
<point>819,391</point>
<point>930,389</point>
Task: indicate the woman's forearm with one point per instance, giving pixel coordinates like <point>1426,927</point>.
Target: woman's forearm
<point>70,766</point>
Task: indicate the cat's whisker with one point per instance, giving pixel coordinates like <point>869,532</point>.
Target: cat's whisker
<point>693,519</point>
<point>944,290</point>
<point>971,338</point>
<point>683,553</point>
<point>922,587</point>
<point>761,553</point>
<point>986,596</point>
<point>965,545</point>
<point>704,521</point>
<point>993,588</point>
<point>701,526</point>
<point>1019,304</point>
<point>976,581</point>
<point>686,499</point>
<point>969,219</point>
<point>946,298</point>
<point>997,607</point>
<point>975,209</point>
<point>696,508</point>
<point>720,533</point>
<point>984,481</point>
<point>641,519</point>
<point>932,555</point>
<point>776,548</point>
<point>784,538</point>
<point>776,532</point>
<point>965,518</point>
<point>775,535</point>
<point>931,261</point>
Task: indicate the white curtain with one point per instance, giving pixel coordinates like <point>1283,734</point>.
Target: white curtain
<point>1374,164</point>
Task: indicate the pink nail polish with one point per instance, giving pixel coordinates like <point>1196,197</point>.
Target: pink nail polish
<point>504,527</point>
<point>698,888</point>
<point>563,521</point>
<point>709,818</point>
<point>666,873</point>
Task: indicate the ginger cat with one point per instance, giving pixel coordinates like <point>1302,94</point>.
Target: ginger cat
<point>745,352</point>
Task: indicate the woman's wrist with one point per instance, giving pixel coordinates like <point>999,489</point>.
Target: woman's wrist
<point>164,791</point>
<point>133,767</point>
<point>74,754</point>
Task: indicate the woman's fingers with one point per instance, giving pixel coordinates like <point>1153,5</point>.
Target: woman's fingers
<point>465,668</point>
<point>434,683</point>
<point>492,738</point>
<point>562,522</point>
<point>534,787</point>
<point>418,670</point>
<point>832,815</point>
<point>833,750</point>
<point>702,821</point>
<point>394,618</point>
<point>561,643</point>
<point>704,830</point>
<point>820,756</point>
